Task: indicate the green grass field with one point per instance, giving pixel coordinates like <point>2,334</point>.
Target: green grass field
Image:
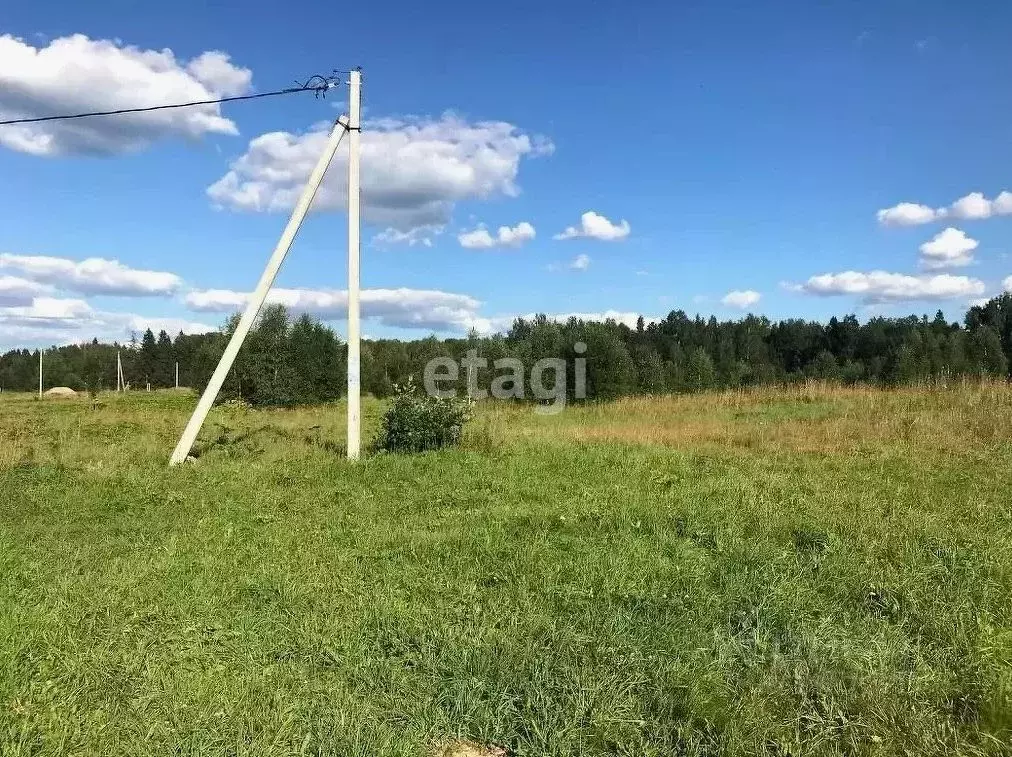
<point>813,571</point>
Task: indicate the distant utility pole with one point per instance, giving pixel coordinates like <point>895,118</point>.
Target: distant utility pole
<point>40,373</point>
<point>177,374</point>
<point>354,353</point>
<point>119,373</point>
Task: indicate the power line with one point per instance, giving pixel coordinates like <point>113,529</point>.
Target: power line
<point>318,85</point>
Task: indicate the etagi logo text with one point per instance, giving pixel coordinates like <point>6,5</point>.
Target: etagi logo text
<point>548,380</point>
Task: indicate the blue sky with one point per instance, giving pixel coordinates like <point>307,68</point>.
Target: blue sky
<point>748,147</point>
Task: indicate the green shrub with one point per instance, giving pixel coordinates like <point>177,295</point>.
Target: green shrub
<point>416,422</point>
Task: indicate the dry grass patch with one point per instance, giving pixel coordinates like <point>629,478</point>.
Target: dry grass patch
<point>467,748</point>
<point>811,418</point>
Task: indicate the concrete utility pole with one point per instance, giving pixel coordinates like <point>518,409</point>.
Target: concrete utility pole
<point>256,301</point>
<point>354,353</point>
<point>40,373</point>
<point>177,374</point>
<point>119,373</point>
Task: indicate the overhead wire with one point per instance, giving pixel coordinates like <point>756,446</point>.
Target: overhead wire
<point>317,84</point>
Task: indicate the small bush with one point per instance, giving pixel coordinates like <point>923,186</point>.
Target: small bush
<point>416,422</point>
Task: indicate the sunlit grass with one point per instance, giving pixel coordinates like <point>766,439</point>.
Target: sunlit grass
<point>807,571</point>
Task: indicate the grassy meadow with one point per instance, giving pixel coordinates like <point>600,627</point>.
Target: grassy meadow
<point>814,570</point>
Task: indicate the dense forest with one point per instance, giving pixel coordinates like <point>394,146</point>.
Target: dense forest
<point>288,360</point>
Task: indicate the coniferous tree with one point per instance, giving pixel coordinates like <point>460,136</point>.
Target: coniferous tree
<point>164,368</point>
<point>148,357</point>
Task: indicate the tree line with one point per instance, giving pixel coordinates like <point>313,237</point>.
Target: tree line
<point>288,360</point>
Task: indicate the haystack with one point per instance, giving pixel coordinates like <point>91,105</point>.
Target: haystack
<point>61,391</point>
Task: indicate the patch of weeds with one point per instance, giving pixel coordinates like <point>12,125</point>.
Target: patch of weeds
<point>704,539</point>
<point>811,544</point>
<point>680,525</point>
<point>883,603</point>
<point>810,540</point>
<point>759,630</point>
<point>668,480</point>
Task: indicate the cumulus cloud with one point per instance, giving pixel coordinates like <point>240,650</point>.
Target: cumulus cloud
<point>882,286</point>
<point>414,170</point>
<point>404,308</point>
<point>972,207</point>
<point>17,292</point>
<point>906,214</point>
<point>56,320</point>
<point>595,226</point>
<point>1006,284</point>
<point>79,74</point>
<point>741,298</point>
<point>507,236</point>
<point>478,239</point>
<point>52,311</point>
<point>950,248</point>
<point>92,276</point>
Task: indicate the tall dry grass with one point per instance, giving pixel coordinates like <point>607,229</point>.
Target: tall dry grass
<point>963,418</point>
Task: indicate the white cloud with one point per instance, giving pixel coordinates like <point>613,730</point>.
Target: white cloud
<point>76,74</point>
<point>979,302</point>
<point>92,276</point>
<point>580,263</point>
<point>950,248</point>
<point>215,71</point>
<point>404,308</point>
<point>414,170</point>
<point>972,207</point>
<point>1006,284</point>
<point>881,286</point>
<point>15,291</point>
<point>55,320</point>
<point>478,239</point>
<point>906,214</point>
<point>595,226</point>
<point>47,311</point>
<point>422,235</point>
<point>741,298</point>
<point>137,323</point>
<point>218,300</point>
<point>517,235</point>
<point>481,239</point>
